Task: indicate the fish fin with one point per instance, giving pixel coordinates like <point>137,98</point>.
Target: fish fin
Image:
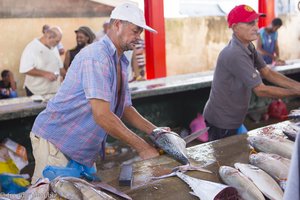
<point>193,193</point>
<point>163,176</point>
<point>190,167</point>
<point>194,135</point>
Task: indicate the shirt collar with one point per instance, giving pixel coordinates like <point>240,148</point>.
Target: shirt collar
<point>113,50</point>
<point>248,50</point>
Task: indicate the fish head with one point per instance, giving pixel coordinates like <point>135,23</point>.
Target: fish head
<point>245,167</point>
<point>156,133</point>
<point>254,159</point>
<point>251,140</point>
<point>226,171</point>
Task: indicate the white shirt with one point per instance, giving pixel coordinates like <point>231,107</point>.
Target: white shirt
<point>37,55</point>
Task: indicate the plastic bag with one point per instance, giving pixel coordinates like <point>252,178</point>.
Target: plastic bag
<point>17,153</point>
<point>198,124</point>
<point>277,109</point>
<point>13,184</point>
<point>73,169</point>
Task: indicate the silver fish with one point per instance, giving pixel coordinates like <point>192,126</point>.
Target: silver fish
<point>291,131</point>
<point>272,144</point>
<point>96,185</point>
<point>275,165</point>
<point>173,144</point>
<point>245,187</point>
<point>205,190</point>
<point>90,193</point>
<point>294,114</point>
<point>65,189</point>
<point>265,183</point>
<point>38,191</point>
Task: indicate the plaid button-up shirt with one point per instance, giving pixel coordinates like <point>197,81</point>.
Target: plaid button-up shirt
<point>67,121</point>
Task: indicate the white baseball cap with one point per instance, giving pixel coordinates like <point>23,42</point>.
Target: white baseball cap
<point>131,13</point>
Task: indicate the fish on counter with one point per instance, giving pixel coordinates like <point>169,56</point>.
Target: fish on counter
<point>275,165</point>
<point>245,187</point>
<point>65,189</point>
<point>76,188</point>
<point>205,190</point>
<point>294,114</point>
<point>38,191</point>
<point>272,144</point>
<point>292,130</point>
<point>97,188</point>
<point>171,143</point>
<point>264,182</point>
<point>175,146</point>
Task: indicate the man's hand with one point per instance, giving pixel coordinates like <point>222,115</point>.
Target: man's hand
<point>149,152</point>
<point>50,76</point>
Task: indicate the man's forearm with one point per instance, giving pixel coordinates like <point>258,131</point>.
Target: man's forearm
<point>275,92</point>
<point>132,116</point>
<point>115,127</point>
<point>282,81</point>
<point>36,72</point>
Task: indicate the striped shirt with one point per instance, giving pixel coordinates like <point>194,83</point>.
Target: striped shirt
<point>67,121</point>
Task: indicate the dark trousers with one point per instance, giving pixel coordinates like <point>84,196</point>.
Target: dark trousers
<point>28,92</point>
<point>215,133</point>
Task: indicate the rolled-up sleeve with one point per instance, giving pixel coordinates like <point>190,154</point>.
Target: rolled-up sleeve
<point>96,79</point>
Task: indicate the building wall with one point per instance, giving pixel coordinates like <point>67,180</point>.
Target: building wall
<point>192,44</point>
<point>17,33</point>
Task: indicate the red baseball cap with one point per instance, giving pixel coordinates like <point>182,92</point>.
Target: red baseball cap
<point>242,13</point>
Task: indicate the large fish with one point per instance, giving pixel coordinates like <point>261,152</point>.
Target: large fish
<point>65,189</point>
<point>294,114</point>
<point>272,144</point>
<point>91,190</point>
<point>245,187</point>
<point>173,144</point>
<point>274,165</point>
<point>205,190</point>
<point>90,193</point>
<point>265,183</point>
<point>38,191</point>
<point>292,130</point>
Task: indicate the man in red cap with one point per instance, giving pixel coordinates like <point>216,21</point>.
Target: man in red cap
<point>238,73</point>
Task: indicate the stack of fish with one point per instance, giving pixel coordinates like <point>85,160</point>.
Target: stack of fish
<point>205,190</point>
<point>63,188</point>
<point>292,130</point>
<point>272,144</point>
<point>267,172</point>
<point>294,114</point>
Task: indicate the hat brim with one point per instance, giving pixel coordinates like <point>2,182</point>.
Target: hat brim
<point>148,28</point>
<point>254,16</point>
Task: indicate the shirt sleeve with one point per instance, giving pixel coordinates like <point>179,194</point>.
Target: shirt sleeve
<point>59,61</point>
<point>259,62</point>
<point>96,79</point>
<point>27,60</point>
<point>242,68</point>
<point>128,101</point>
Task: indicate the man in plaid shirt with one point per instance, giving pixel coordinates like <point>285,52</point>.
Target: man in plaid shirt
<point>92,99</point>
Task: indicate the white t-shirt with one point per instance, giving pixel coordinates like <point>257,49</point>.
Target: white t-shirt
<point>128,55</point>
<point>37,55</point>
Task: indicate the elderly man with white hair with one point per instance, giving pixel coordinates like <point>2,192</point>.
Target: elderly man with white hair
<point>41,63</point>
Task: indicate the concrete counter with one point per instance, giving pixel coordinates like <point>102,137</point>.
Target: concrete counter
<point>209,155</point>
<point>25,107</point>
